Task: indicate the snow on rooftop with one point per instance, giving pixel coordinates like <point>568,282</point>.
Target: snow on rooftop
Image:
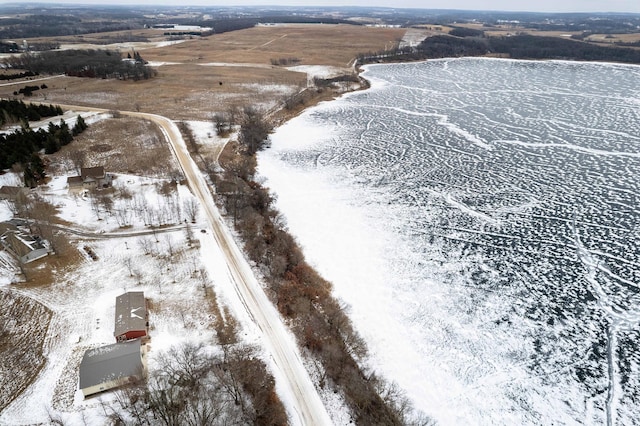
<point>83,298</point>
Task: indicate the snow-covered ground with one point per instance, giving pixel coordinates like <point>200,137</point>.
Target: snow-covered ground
<point>171,271</point>
<point>318,71</point>
<point>83,299</point>
<point>413,37</point>
<point>480,219</point>
<point>172,276</point>
<point>137,45</point>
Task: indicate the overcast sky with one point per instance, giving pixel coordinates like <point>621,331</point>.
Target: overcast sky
<point>510,5</point>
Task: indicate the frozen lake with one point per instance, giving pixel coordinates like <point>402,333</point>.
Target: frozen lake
<point>480,218</point>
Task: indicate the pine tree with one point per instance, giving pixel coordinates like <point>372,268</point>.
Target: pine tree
<point>51,145</point>
<point>64,135</point>
<point>80,126</point>
<point>33,171</point>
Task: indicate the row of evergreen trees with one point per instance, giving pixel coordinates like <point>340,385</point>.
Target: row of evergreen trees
<point>22,147</point>
<point>13,111</point>
<point>17,75</point>
<point>91,63</point>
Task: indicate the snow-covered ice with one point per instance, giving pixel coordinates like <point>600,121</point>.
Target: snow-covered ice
<point>480,219</point>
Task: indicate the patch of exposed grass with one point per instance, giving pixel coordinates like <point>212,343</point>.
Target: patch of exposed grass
<point>121,145</point>
<point>23,327</point>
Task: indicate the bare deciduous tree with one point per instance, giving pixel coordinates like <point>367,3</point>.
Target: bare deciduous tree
<point>95,203</point>
<point>124,191</point>
<point>78,159</point>
<point>193,387</point>
<point>127,262</point>
<point>105,201</point>
<point>191,206</point>
<point>188,230</point>
<point>254,130</point>
<point>189,138</point>
<point>138,275</point>
<point>169,244</point>
<point>145,244</point>
<point>123,216</point>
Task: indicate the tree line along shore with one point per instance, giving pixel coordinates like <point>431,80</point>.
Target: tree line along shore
<point>461,42</point>
<point>318,320</point>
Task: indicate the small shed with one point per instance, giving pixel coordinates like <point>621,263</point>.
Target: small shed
<point>74,182</point>
<point>132,318</point>
<point>112,366</point>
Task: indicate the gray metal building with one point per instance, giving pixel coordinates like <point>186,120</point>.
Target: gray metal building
<point>112,366</point>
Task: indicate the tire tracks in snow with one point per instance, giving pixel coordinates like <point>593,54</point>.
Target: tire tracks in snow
<point>304,405</point>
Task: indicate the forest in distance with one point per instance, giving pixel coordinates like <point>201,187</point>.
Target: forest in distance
<point>521,46</point>
<point>41,20</point>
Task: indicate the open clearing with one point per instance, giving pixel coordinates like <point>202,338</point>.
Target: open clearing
<point>206,75</point>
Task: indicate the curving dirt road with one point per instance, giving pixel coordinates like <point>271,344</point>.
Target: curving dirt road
<point>302,395</point>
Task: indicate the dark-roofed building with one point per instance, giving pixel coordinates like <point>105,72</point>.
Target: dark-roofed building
<point>132,319</point>
<point>90,178</point>
<point>112,366</point>
<point>74,182</point>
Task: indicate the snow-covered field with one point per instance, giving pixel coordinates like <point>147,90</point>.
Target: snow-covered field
<point>172,276</point>
<point>168,265</point>
<point>480,218</point>
<point>159,251</point>
<point>138,45</point>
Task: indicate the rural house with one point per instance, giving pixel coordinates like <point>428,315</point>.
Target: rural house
<point>21,244</point>
<point>90,178</point>
<point>112,366</point>
<point>13,193</point>
<point>132,319</point>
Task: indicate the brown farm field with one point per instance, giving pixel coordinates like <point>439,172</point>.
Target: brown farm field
<point>312,44</point>
<point>201,76</point>
<point>23,328</point>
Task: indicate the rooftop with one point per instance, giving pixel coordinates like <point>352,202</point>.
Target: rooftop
<point>131,312</point>
<point>107,363</point>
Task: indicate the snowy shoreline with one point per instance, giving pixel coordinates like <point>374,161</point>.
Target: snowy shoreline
<point>324,200</point>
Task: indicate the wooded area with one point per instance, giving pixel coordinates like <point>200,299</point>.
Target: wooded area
<point>192,386</point>
<point>13,111</point>
<point>56,24</point>
<point>522,46</point>
<point>83,63</point>
<point>22,146</point>
<point>526,46</point>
